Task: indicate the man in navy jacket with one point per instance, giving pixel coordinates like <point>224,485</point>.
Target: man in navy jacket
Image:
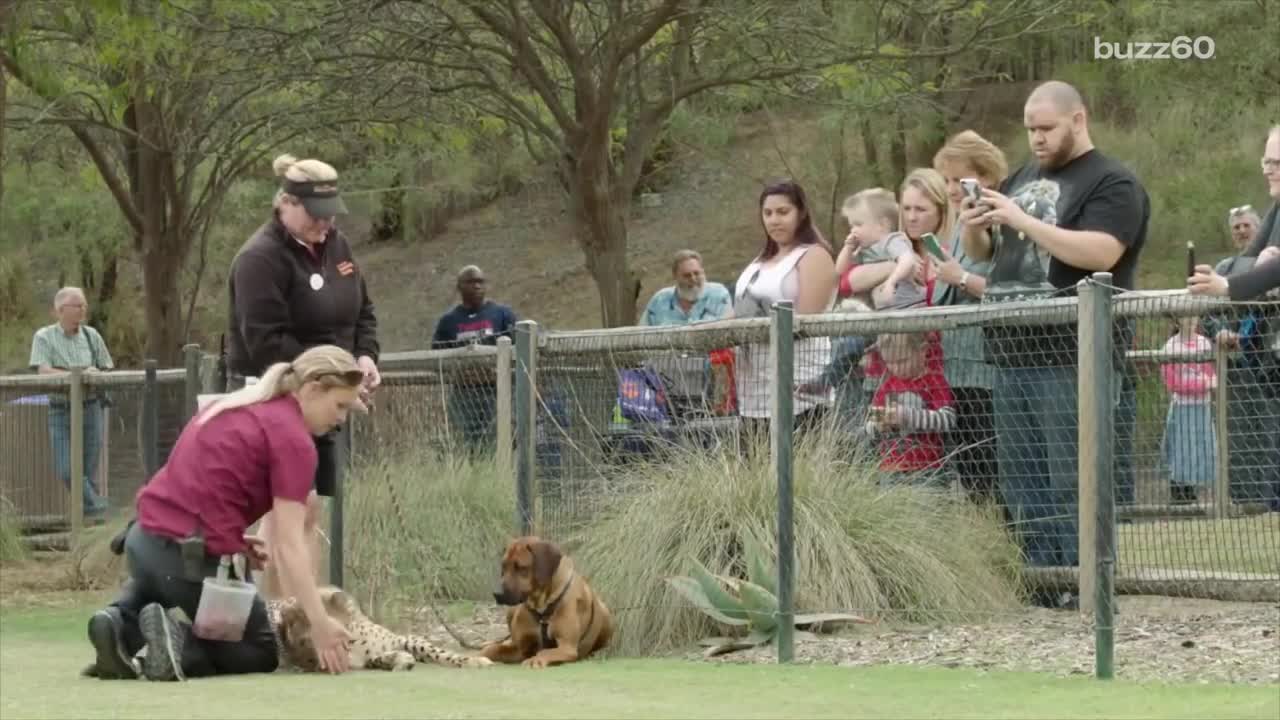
<point>472,392</point>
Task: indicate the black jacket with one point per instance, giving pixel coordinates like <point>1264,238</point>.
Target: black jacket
<point>275,313</point>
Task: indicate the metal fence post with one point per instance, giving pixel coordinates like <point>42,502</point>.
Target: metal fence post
<point>502,408</point>
<point>526,409</point>
<point>336,526</point>
<point>1222,473</point>
<point>191,360</point>
<point>75,494</point>
<point>1087,412</point>
<point>781,437</point>
<point>150,421</point>
<point>220,369</point>
<point>1096,356</point>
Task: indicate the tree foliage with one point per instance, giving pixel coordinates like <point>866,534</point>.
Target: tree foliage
<point>172,102</point>
<point>591,86</point>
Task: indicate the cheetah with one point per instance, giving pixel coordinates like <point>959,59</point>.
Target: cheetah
<point>373,646</point>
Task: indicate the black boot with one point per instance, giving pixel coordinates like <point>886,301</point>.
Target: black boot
<point>106,634</point>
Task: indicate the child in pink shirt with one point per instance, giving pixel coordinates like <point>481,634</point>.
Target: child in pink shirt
<point>1189,448</point>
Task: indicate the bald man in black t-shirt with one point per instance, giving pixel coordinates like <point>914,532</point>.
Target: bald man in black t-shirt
<point>1069,213</point>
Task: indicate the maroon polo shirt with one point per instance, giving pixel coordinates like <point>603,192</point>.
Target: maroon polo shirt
<point>224,474</point>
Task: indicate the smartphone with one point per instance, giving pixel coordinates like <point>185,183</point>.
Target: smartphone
<point>971,188</point>
<point>931,244</point>
<point>1191,258</point>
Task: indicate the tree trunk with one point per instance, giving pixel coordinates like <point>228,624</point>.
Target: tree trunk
<point>871,151</point>
<point>839,181</point>
<point>602,233</point>
<point>161,271</point>
<point>4,102</point>
<point>898,144</point>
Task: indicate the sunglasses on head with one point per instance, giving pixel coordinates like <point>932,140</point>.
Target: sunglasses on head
<point>1239,211</point>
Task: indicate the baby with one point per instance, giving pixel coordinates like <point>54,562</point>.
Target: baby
<point>874,238</point>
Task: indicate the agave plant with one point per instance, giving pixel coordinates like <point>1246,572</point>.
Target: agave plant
<point>749,607</point>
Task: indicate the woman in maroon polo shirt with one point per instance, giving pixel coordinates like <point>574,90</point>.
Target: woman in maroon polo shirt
<point>249,453</point>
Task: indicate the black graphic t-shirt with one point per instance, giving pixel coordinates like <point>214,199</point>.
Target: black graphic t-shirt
<point>1090,193</point>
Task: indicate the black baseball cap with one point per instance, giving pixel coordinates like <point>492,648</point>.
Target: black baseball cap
<point>320,198</point>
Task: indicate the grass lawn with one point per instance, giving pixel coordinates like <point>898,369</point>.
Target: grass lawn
<point>1247,544</point>
<point>44,648</point>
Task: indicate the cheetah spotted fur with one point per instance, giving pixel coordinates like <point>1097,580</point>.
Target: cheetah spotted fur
<point>373,647</point>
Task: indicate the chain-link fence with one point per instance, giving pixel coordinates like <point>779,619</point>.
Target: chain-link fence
<point>1108,451</point>
<point>935,464</point>
<point>1207,445</point>
<point>78,446</point>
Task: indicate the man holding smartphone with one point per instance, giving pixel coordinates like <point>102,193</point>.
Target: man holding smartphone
<point>1070,213</point>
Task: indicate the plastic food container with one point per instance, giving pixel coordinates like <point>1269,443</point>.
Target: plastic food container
<point>224,609</point>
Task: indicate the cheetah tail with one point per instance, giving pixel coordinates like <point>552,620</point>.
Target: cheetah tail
<point>424,651</point>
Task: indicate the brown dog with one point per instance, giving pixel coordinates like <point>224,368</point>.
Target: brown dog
<point>554,616</point>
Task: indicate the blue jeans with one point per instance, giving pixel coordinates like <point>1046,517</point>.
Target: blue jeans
<point>60,438</point>
<point>1037,437</point>
<point>1037,456</point>
<point>472,415</point>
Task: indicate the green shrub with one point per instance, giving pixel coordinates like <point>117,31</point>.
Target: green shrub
<point>905,552</point>
<point>419,525</point>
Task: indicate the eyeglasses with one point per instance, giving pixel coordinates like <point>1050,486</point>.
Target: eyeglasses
<point>1238,211</point>
<point>1270,164</point>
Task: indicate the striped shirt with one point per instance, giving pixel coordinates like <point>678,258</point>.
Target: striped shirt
<point>927,413</point>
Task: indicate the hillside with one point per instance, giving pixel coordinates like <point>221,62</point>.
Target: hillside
<point>525,243</point>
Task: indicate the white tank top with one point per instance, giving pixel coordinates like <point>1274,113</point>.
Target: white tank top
<point>757,289</point>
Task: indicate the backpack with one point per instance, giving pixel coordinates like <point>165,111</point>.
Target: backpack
<point>642,396</point>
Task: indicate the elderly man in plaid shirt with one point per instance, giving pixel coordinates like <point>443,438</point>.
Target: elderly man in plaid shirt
<point>55,349</point>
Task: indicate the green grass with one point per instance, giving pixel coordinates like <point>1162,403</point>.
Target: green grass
<point>44,648</point>
<point>1250,544</point>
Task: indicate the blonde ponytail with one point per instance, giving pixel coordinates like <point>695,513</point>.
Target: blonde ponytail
<point>329,365</point>
<point>279,379</point>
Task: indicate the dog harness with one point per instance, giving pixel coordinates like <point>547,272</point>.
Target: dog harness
<point>545,641</point>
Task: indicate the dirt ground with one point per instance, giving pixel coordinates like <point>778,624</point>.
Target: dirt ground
<point>1157,639</point>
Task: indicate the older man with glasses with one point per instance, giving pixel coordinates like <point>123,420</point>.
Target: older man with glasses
<point>55,349</point>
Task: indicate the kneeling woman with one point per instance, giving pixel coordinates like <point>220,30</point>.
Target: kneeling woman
<point>248,453</point>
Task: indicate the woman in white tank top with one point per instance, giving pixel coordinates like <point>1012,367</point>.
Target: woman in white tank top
<point>795,265</point>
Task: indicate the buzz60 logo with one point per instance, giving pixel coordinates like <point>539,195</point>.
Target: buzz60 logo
<point>1182,48</point>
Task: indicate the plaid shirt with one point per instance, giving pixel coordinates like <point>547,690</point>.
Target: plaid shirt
<point>664,308</point>
<point>52,346</point>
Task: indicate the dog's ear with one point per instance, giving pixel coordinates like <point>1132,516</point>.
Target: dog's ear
<point>546,558</point>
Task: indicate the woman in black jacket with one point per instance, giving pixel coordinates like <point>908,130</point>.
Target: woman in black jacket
<point>295,285</point>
